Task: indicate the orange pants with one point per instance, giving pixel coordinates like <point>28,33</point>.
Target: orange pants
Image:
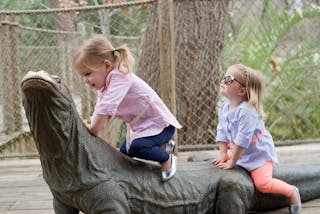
<point>263,181</point>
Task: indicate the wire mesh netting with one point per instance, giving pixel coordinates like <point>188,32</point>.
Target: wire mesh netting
<point>280,39</point>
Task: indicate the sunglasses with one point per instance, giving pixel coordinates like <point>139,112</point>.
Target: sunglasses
<point>228,79</point>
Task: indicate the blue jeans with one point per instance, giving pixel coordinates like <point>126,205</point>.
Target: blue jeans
<point>148,148</point>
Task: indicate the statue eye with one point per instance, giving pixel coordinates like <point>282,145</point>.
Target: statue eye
<point>56,78</point>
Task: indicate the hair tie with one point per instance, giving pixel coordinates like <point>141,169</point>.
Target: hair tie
<point>116,53</point>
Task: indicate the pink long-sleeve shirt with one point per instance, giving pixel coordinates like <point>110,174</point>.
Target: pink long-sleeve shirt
<point>125,96</point>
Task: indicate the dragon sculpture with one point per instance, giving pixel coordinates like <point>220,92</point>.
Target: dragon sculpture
<point>86,174</point>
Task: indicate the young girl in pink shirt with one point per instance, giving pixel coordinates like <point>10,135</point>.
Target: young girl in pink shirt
<point>241,126</point>
<point>123,95</point>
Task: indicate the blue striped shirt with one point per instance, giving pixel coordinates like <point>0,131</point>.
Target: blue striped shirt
<point>245,127</point>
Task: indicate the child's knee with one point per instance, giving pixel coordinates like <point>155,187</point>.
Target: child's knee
<point>138,149</point>
<point>123,150</point>
<point>263,186</point>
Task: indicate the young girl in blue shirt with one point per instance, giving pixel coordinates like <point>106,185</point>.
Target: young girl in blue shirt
<point>241,126</point>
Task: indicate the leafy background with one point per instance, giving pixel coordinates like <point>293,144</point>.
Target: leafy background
<point>278,38</point>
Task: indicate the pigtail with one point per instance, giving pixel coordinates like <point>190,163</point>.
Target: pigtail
<point>254,88</point>
<point>124,58</point>
<point>255,99</point>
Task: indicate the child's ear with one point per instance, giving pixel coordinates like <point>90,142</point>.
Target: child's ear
<point>107,64</point>
<point>243,91</point>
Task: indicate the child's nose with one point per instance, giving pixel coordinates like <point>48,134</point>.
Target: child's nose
<point>86,80</point>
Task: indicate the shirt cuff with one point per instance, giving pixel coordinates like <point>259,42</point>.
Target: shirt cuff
<point>242,140</point>
<point>107,110</point>
<point>221,137</point>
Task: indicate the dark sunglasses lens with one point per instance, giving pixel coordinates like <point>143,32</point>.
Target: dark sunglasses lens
<point>228,79</point>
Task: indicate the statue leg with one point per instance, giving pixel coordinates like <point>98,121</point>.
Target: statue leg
<point>235,192</point>
<point>60,208</point>
<point>105,198</point>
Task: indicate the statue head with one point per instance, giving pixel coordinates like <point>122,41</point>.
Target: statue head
<point>50,112</point>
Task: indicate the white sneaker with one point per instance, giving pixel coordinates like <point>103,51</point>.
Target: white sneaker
<point>167,175</point>
<point>295,208</point>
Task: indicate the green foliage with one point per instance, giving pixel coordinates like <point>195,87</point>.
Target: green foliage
<point>126,25</point>
<point>291,95</point>
<point>28,20</point>
<point>22,4</point>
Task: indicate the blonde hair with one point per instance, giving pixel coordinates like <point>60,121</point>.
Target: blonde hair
<point>97,49</point>
<point>252,80</point>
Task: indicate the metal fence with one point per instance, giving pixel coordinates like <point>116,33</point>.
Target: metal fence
<point>279,38</point>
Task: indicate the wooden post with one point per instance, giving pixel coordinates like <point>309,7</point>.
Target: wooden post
<point>12,118</point>
<point>65,54</point>
<point>167,54</point>
<point>87,94</point>
<point>88,98</point>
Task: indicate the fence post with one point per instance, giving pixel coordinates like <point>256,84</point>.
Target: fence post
<point>65,67</point>
<point>2,64</point>
<point>167,54</point>
<point>12,119</point>
<point>88,95</point>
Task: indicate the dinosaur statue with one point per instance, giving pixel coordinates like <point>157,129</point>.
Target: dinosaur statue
<point>86,174</point>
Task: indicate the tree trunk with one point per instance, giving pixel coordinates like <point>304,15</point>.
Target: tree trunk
<point>199,38</point>
<point>63,21</point>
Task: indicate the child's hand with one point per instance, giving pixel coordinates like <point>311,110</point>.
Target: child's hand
<point>226,165</point>
<point>87,123</point>
<point>221,159</point>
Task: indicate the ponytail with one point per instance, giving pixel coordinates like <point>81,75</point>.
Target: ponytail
<point>96,49</point>
<point>124,58</point>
